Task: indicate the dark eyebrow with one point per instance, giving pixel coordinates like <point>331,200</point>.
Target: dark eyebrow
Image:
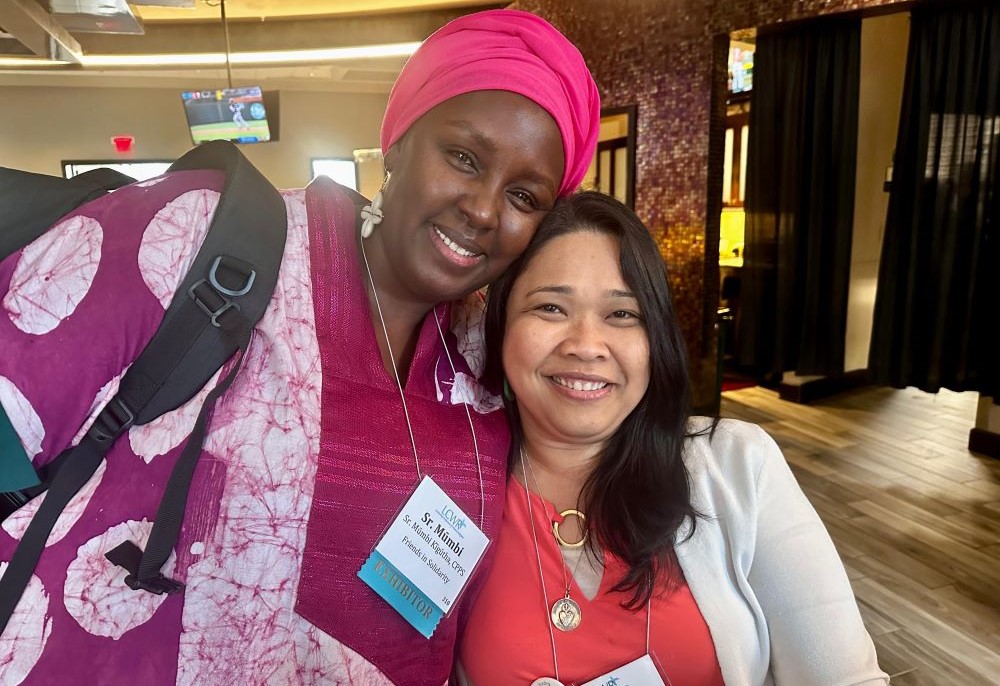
<point>478,136</point>
<point>566,290</point>
<point>561,290</point>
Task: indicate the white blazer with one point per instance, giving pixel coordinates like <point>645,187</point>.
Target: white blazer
<point>764,571</point>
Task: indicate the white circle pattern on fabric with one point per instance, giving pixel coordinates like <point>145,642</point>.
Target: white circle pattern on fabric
<point>320,659</point>
<point>21,645</point>
<point>467,327</point>
<point>237,616</point>
<point>27,424</point>
<point>467,389</point>
<point>53,274</point>
<point>467,317</point>
<point>171,240</point>
<point>17,523</point>
<point>96,595</point>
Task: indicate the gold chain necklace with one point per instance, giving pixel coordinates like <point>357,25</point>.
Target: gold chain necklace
<point>565,613</point>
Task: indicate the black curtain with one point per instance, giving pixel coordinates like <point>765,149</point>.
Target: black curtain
<point>800,199</point>
<point>938,277</point>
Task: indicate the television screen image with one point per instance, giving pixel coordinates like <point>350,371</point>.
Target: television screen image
<point>231,114</point>
<point>740,67</point>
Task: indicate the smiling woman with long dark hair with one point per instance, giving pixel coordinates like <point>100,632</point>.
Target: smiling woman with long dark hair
<point>640,545</point>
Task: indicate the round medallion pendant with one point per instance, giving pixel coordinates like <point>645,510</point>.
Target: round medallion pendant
<point>566,614</point>
<point>546,681</point>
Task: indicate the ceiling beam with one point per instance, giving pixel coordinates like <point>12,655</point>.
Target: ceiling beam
<point>284,34</point>
<point>38,31</point>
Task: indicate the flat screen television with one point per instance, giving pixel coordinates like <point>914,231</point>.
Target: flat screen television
<point>740,67</point>
<point>242,115</point>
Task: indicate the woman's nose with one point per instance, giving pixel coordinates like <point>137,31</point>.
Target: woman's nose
<point>481,204</point>
<point>585,339</point>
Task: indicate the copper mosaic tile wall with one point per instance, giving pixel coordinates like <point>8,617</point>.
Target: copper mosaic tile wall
<point>668,57</point>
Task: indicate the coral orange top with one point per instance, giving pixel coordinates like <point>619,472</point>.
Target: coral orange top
<point>506,640</point>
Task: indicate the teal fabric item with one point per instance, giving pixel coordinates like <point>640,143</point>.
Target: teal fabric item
<point>16,471</point>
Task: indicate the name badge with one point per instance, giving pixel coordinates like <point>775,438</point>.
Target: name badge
<point>641,672</point>
<point>426,557</point>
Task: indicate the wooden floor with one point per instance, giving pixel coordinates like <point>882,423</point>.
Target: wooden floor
<point>914,514</point>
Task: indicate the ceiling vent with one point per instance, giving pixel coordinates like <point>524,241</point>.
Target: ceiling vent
<point>95,16</point>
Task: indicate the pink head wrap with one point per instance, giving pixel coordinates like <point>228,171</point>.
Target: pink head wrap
<point>502,50</point>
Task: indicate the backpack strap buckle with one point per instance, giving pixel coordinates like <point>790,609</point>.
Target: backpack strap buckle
<point>158,585</point>
<point>128,556</point>
<point>239,267</point>
<point>115,418</point>
<point>210,301</point>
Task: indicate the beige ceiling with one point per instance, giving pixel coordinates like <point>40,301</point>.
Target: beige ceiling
<point>258,25</point>
<point>278,9</point>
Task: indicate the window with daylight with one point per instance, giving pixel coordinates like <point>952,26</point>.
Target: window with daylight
<point>140,170</point>
<point>343,171</point>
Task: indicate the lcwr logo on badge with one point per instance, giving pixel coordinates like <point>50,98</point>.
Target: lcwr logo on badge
<point>453,519</point>
<point>641,672</point>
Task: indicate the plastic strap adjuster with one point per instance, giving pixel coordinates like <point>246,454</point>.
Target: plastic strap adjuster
<point>115,418</point>
<point>128,556</point>
<point>159,584</point>
<point>203,292</point>
<point>231,263</point>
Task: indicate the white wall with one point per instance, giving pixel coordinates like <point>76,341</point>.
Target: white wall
<point>988,415</point>
<point>40,126</point>
<point>883,63</point>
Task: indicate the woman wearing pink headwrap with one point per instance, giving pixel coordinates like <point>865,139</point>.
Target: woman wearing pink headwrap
<point>361,384</point>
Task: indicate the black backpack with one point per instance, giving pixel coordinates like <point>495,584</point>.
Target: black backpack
<point>210,318</point>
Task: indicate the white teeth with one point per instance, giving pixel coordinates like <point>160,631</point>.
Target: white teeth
<point>578,385</point>
<point>455,247</point>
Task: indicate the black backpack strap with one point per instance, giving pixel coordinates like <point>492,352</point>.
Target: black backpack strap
<point>32,203</point>
<point>236,268</point>
<point>234,296</point>
<point>210,317</point>
<point>102,178</point>
<point>144,566</point>
<point>86,457</point>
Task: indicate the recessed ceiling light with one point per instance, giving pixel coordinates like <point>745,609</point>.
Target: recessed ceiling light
<point>218,58</point>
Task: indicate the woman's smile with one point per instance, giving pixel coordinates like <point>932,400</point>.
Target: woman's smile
<point>581,387</point>
<point>453,251</point>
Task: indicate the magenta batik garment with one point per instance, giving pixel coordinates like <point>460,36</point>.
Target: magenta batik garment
<point>366,467</point>
<point>76,307</point>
